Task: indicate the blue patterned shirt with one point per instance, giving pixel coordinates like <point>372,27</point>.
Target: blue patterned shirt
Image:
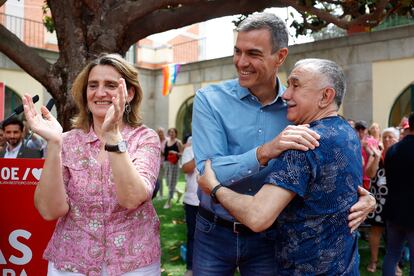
<point>313,234</point>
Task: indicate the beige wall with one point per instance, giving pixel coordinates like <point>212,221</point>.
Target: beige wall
<point>389,79</point>
<point>177,97</point>
<point>22,83</point>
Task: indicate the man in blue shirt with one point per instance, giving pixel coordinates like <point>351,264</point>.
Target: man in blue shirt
<point>241,126</point>
<point>314,189</point>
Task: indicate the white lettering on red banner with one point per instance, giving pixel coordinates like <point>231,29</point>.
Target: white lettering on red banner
<point>20,171</point>
<point>24,234</point>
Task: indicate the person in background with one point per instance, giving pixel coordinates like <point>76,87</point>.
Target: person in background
<point>15,145</point>
<point>32,140</point>
<point>375,132</point>
<point>376,171</point>
<point>404,130</point>
<point>2,139</point>
<point>172,152</point>
<point>161,175</point>
<point>351,123</point>
<point>98,178</point>
<point>361,127</point>
<point>399,204</point>
<point>402,126</point>
<point>190,200</point>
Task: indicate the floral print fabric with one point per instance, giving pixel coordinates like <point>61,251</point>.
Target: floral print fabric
<point>97,230</point>
<point>313,236</point>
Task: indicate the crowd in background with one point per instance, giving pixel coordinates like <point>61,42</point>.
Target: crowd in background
<point>375,145</point>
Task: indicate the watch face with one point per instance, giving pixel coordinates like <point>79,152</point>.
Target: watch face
<point>122,146</point>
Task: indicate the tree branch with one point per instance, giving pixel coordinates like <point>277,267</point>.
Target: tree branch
<point>371,19</point>
<point>25,57</point>
<point>145,7</point>
<point>122,14</point>
<point>163,20</point>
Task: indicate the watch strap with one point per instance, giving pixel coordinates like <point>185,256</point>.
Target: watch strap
<point>214,191</point>
<point>119,147</point>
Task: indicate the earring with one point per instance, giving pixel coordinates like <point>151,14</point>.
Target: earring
<point>127,108</point>
<point>127,111</point>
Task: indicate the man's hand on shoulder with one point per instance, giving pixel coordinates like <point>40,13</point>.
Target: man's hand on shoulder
<point>299,137</point>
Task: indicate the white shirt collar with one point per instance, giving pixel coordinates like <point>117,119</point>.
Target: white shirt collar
<point>12,153</point>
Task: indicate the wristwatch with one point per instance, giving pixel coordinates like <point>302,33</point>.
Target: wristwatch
<point>120,147</point>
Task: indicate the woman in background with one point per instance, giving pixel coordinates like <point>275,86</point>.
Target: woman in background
<point>375,132</point>
<point>172,152</point>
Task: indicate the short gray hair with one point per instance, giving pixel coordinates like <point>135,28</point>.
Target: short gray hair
<point>392,130</point>
<point>332,72</point>
<point>274,24</point>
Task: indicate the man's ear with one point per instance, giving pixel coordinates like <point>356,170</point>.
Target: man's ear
<point>327,97</point>
<point>281,56</point>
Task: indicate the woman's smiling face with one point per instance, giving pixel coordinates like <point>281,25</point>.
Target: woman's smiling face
<point>101,88</point>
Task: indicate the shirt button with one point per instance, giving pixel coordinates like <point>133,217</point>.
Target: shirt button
<point>260,131</point>
<point>249,171</point>
<point>232,181</point>
<point>261,110</point>
<point>250,190</point>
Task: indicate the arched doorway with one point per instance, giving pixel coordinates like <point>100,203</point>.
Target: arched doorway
<point>402,106</point>
<point>184,118</point>
<point>11,100</point>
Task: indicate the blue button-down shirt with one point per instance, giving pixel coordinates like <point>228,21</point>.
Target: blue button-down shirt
<point>229,123</point>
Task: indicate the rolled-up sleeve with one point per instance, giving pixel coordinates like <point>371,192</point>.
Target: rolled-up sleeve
<point>145,156</point>
<point>210,142</point>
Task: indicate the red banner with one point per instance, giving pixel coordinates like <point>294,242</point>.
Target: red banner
<point>24,234</point>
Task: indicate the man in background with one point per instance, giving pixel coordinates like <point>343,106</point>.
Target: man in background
<point>15,145</point>
<point>399,204</point>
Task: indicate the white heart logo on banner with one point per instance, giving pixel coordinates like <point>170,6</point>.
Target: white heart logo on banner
<point>37,173</point>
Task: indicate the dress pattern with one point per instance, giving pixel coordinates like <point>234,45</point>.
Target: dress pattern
<point>380,190</point>
<point>97,230</point>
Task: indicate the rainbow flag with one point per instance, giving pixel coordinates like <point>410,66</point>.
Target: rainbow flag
<point>169,73</point>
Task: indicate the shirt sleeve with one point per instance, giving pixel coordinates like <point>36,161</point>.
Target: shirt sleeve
<point>188,155</point>
<point>145,155</point>
<point>291,171</point>
<point>210,142</point>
